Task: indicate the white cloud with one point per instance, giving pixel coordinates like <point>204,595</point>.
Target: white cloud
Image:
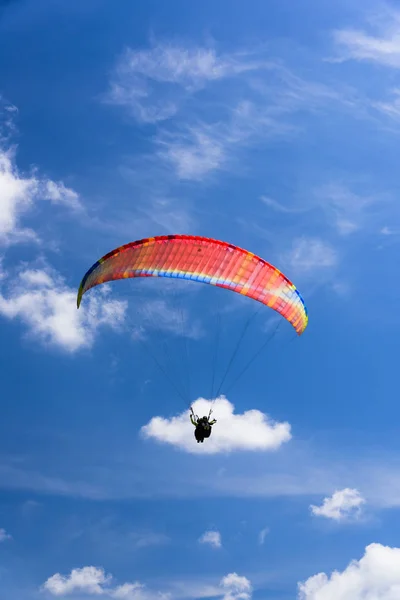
<point>212,538</point>
<point>308,254</point>
<point>16,197</point>
<point>4,536</point>
<point>58,193</point>
<point>179,71</point>
<point>18,193</point>
<point>376,576</point>
<point>380,48</point>
<point>43,302</point>
<point>236,587</point>
<point>262,535</point>
<point>250,431</point>
<point>231,587</point>
<point>343,504</point>
<point>89,580</point>
<point>93,581</point>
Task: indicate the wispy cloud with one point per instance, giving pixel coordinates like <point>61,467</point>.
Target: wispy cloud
<point>349,211</point>
<point>8,127</point>
<point>37,482</point>
<point>161,315</point>
<point>376,575</point>
<point>380,46</point>
<point>387,231</point>
<point>118,536</point>
<point>211,538</point>
<point>156,210</point>
<point>308,254</point>
<point>4,536</point>
<point>129,478</point>
<point>250,431</point>
<point>146,539</point>
<point>342,505</point>
<point>391,106</point>
<point>127,473</point>
<point>377,44</point>
<point>29,508</point>
<point>287,92</point>
<point>340,210</point>
<point>153,83</point>
<point>170,215</point>
<point>194,153</point>
<point>40,298</point>
<point>262,535</point>
<point>279,207</point>
<point>197,150</point>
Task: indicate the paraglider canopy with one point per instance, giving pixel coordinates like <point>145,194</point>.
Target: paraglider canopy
<point>205,260</point>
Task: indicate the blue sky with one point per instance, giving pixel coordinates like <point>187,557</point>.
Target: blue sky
<point>273,125</point>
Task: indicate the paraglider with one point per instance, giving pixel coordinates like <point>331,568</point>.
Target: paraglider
<point>203,426</point>
<point>208,261</point>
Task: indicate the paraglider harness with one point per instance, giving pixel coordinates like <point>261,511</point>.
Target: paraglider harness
<point>203,426</point>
